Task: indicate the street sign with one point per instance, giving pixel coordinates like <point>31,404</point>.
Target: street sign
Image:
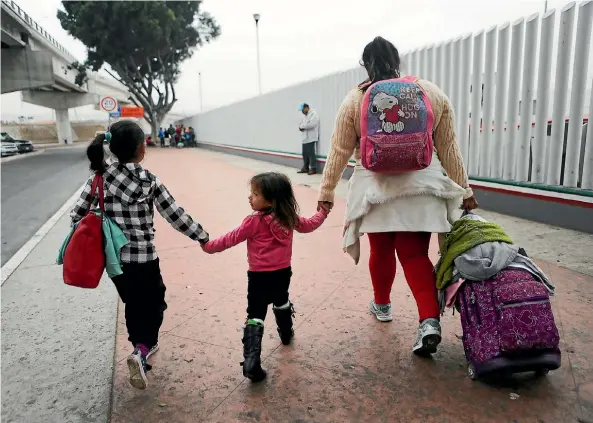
<point>108,104</point>
<point>136,112</point>
<point>115,114</point>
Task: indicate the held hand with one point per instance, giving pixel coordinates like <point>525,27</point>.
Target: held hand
<point>324,205</point>
<point>469,203</point>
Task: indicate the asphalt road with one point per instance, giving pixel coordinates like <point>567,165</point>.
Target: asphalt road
<point>33,189</point>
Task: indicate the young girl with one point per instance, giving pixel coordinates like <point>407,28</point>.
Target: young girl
<point>268,233</point>
<point>131,192</point>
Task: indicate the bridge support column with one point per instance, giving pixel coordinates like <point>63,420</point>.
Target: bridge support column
<point>63,126</point>
<point>66,101</point>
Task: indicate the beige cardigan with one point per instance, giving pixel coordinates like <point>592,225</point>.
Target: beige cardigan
<point>344,142</point>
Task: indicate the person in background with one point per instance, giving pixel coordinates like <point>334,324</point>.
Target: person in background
<point>192,134</point>
<point>162,137</point>
<point>172,132</point>
<point>186,137</point>
<point>167,138</point>
<point>309,127</point>
<point>178,134</point>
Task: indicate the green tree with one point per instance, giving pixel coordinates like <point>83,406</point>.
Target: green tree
<point>143,42</point>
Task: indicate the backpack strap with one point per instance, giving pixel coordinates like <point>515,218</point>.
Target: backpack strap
<point>409,78</point>
<point>98,184</point>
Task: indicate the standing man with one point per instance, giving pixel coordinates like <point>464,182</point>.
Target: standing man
<point>162,137</point>
<point>192,137</point>
<point>309,127</point>
<point>171,131</point>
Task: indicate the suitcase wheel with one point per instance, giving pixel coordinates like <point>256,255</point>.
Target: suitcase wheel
<point>471,372</point>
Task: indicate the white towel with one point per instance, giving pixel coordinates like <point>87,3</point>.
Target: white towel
<point>368,189</point>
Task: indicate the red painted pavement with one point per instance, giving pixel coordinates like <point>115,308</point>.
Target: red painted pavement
<point>344,366</point>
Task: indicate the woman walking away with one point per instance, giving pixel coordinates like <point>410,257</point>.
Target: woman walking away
<point>398,211</point>
<point>131,192</point>
<point>269,233</point>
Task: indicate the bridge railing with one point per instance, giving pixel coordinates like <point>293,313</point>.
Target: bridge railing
<point>531,109</point>
<point>34,25</point>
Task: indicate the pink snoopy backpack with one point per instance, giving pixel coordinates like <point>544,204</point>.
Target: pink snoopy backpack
<point>396,127</point>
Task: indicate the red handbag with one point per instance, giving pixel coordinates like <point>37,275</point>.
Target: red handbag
<point>84,258</point>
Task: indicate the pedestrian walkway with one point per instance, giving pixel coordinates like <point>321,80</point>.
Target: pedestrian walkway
<point>343,366</point>
<point>58,342</point>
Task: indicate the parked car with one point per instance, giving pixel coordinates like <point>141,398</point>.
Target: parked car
<point>9,148</point>
<point>23,146</point>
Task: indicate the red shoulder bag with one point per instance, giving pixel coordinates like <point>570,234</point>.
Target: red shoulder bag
<point>84,258</point>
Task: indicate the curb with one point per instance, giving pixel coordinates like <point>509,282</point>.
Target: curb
<point>17,259</point>
<point>62,146</point>
<point>41,150</point>
<point>21,156</point>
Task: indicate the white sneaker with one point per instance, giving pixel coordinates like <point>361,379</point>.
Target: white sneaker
<point>429,337</point>
<point>153,350</point>
<point>381,311</point>
<point>137,367</point>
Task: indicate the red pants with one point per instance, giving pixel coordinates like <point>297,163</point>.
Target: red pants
<point>412,251</point>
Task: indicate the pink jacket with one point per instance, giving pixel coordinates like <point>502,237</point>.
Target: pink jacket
<point>269,245</point>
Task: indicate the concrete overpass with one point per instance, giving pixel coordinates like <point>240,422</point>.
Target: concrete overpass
<point>34,63</point>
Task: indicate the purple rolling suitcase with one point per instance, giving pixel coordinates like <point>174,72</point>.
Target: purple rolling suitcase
<point>508,325</point>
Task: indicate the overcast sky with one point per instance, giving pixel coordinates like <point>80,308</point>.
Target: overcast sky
<point>299,40</point>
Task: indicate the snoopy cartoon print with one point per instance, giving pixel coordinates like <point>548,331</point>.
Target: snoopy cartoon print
<point>390,113</point>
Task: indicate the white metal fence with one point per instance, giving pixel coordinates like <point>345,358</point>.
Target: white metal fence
<point>533,116</point>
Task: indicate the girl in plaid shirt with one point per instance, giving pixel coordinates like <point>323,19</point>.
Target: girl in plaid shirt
<point>131,192</point>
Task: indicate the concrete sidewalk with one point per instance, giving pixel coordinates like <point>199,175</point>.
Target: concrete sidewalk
<point>58,342</point>
<point>344,366</point>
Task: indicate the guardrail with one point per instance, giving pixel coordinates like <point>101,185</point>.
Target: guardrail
<point>35,26</point>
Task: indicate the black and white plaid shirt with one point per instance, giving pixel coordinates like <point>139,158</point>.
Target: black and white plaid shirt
<point>130,195</point>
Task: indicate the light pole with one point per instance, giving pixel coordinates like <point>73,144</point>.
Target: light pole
<point>545,6</point>
<point>256,17</point>
<point>200,87</point>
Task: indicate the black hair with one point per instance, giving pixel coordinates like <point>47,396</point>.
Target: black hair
<point>381,60</point>
<point>126,139</point>
<point>277,189</point>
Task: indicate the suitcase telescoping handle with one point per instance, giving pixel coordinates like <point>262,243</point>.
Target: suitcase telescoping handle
<point>466,212</point>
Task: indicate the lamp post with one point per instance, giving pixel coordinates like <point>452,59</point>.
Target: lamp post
<point>256,17</point>
<point>200,88</point>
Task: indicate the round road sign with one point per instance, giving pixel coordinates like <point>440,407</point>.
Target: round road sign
<point>109,104</point>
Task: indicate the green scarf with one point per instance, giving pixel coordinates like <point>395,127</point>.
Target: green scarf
<point>465,235</point>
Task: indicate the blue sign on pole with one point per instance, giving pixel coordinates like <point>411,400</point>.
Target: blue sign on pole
<point>115,114</point>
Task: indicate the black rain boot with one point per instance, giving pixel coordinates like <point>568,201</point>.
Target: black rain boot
<point>284,322</point>
<point>252,338</point>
